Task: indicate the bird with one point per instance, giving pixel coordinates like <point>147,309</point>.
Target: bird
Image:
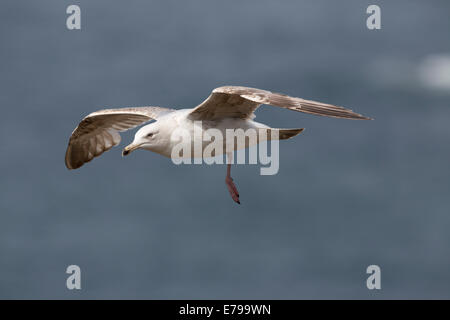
<point>227,107</point>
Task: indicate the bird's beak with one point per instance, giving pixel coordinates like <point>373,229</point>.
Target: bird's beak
<point>129,148</point>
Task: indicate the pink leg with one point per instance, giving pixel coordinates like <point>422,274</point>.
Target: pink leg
<point>230,185</point>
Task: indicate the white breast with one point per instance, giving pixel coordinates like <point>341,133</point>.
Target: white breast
<point>180,132</point>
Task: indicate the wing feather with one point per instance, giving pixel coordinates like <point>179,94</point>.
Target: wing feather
<point>99,131</point>
<point>241,102</point>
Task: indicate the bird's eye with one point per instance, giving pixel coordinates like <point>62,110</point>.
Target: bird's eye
<point>150,134</point>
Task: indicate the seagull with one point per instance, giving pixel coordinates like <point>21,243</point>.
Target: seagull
<point>228,107</point>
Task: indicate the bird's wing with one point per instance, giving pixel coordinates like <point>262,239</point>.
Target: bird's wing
<point>241,102</point>
<point>99,131</point>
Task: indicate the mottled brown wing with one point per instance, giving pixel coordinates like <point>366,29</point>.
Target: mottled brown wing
<point>241,102</point>
<point>99,131</point>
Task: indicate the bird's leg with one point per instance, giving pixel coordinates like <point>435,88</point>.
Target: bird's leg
<point>229,182</point>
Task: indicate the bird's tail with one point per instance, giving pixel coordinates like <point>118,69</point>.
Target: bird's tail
<point>284,134</point>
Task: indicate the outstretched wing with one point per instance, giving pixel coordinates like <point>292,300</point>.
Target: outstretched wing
<point>99,132</point>
<point>241,102</point>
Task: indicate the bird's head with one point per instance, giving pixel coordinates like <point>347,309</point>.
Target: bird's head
<point>145,138</point>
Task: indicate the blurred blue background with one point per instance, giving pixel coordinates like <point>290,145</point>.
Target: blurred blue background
<point>348,194</point>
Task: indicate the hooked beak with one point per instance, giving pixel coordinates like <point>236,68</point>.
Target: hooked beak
<point>129,148</point>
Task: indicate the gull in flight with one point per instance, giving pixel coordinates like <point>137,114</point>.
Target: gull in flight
<point>228,107</point>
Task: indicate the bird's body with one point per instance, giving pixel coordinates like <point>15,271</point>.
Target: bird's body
<point>227,108</point>
<point>195,130</point>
